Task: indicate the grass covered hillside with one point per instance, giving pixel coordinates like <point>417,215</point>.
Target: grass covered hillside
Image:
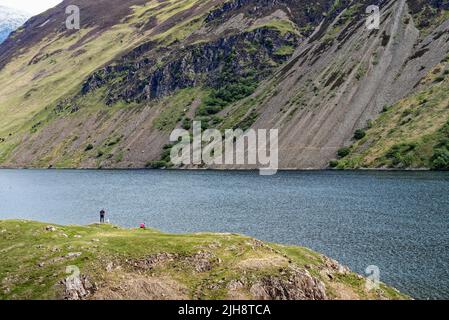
<point>40,261</point>
<point>108,95</point>
<point>410,134</point>
<point>39,67</point>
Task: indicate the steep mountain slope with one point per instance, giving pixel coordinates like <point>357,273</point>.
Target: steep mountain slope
<point>10,20</point>
<point>55,62</point>
<point>412,132</point>
<point>110,94</point>
<point>343,79</point>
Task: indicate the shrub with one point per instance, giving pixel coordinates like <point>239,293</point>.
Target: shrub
<point>333,163</point>
<point>166,155</point>
<point>218,99</point>
<point>209,109</point>
<point>359,134</point>
<point>402,154</point>
<point>343,152</point>
<point>440,159</point>
<point>361,71</point>
<point>159,164</point>
<point>186,123</point>
<point>113,142</point>
<point>89,147</point>
<point>165,159</point>
<point>386,108</point>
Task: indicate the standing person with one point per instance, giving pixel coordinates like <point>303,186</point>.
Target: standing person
<point>102,215</point>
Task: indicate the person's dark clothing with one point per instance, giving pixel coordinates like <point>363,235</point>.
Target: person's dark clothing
<point>102,214</point>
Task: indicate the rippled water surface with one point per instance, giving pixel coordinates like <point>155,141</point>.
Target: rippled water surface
<point>398,221</point>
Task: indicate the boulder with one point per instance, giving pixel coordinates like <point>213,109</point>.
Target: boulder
<point>300,285</point>
<point>77,288</point>
<point>71,255</point>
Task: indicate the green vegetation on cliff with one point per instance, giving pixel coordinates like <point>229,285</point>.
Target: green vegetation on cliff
<point>411,134</point>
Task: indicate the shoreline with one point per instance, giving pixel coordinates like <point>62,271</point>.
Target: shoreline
<point>225,170</point>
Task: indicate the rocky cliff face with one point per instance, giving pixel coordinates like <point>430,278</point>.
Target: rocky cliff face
<point>253,54</point>
<point>340,94</point>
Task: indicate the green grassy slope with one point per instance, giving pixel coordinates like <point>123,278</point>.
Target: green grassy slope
<point>413,133</point>
<point>147,264</point>
<point>37,78</point>
<point>38,86</point>
<point>45,121</point>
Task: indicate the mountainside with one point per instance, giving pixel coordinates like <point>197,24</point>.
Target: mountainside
<point>10,20</point>
<point>103,262</point>
<point>341,95</point>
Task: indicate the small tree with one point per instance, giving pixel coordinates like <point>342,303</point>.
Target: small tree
<point>440,160</point>
<point>343,152</point>
<point>359,134</point>
<point>333,163</point>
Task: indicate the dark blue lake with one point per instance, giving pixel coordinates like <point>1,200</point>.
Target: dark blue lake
<point>398,221</point>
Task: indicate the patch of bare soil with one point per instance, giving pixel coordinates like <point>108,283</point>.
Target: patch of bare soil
<point>344,292</point>
<point>271,261</point>
<point>139,287</point>
<point>201,261</point>
<point>158,259</point>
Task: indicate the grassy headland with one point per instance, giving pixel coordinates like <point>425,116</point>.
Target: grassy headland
<point>41,261</point>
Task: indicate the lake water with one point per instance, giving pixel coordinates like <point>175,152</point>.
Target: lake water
<point>398,221</point>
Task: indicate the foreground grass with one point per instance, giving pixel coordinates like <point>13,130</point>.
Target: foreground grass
<point>147,264</point>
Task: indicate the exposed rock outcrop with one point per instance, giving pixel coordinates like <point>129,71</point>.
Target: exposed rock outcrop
<point>300,285</point>
<point>77,288</point>
<point>213,64</point>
